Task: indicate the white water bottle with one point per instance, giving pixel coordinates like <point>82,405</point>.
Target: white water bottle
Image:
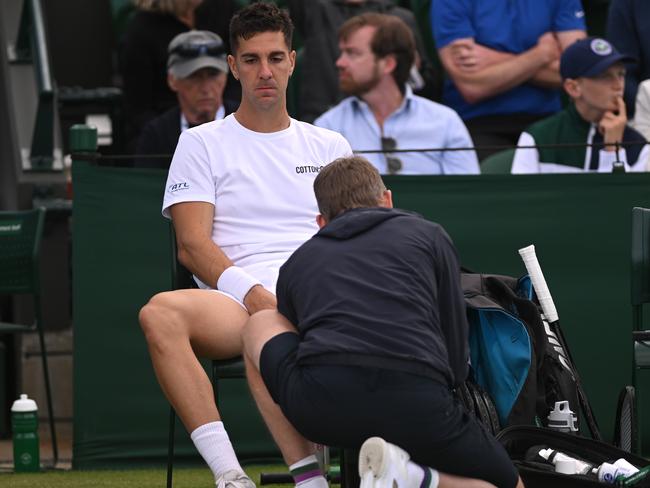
<point>565,464</point>
<point>609,472</point>
<point>562,418</point>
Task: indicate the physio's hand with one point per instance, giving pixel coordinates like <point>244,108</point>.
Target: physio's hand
<point>259,298</point>
<point>612,125</point>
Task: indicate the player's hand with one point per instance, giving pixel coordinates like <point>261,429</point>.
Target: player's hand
<point>612,125</point>
<point>259,298</point>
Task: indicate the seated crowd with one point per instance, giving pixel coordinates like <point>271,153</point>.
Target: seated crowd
<point>499,81</point>
<point>302,264</point>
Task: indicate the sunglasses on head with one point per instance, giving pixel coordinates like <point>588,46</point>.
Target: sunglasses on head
<point>394,163</point>
<point>194,50</point>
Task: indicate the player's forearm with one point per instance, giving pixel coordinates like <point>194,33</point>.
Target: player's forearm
<point>204,259</point>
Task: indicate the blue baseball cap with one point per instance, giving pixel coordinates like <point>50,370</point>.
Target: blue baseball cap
<point>589,57</point>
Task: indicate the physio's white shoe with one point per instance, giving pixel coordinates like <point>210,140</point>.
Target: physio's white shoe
<point>384,465</point>
<point>235,479</point>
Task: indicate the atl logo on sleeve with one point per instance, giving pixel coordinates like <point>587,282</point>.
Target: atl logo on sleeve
<point>178,187</point>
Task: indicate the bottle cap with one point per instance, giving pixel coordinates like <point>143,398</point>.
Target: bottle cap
<point>24,404</point>
<point>562,418</point>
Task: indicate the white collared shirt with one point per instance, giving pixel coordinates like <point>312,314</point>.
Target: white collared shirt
<point>417,124</point>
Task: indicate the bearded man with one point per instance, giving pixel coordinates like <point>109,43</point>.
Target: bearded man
<point>383,114</point>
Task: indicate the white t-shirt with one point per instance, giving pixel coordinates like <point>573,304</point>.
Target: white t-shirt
<point>261,185</point>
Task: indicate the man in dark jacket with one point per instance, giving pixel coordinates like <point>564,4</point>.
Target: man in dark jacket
<point>370,339</point>
<point>196,72</point>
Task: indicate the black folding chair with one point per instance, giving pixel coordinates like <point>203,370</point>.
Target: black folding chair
<point>640,295</point>
<point>223,369</point>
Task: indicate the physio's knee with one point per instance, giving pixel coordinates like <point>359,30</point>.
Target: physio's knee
<point>159,319</point>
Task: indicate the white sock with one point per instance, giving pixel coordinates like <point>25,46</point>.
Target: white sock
<point>213,443</point>
<point>307,474</point>
<point>420,473</point>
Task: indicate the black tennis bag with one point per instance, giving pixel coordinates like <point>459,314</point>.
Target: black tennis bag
<point>521,442</point>
<point>515,357</point>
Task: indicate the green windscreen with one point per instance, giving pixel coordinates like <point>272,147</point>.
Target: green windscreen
<point>580,225</point>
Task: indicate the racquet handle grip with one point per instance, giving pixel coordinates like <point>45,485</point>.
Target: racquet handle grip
<point>539,283</point>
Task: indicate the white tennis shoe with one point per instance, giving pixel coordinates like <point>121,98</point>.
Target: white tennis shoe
<point>384,465</point>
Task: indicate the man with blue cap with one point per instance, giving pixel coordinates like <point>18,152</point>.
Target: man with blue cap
<point>593,76</point>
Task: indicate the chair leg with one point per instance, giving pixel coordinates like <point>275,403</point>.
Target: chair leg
<point>170,447</point>
<point>48,395</point>
<point>350,468</point>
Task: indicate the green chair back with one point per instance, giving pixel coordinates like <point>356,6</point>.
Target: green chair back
<point>20,244</point>
<point>20,240</point>
<point>498,163</point>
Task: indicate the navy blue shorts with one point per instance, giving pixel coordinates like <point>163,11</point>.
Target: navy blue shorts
<point>344,405</point>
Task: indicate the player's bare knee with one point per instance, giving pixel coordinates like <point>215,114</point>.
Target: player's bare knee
<point>157,318</point>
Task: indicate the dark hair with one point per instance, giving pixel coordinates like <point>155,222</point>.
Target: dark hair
<point>345,183</point>
<point>392,37</point>
<point>259,17</point>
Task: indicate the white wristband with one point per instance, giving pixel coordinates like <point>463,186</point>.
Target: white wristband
<point>237,282</point>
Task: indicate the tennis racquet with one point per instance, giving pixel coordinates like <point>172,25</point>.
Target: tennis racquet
<point>531,262</point>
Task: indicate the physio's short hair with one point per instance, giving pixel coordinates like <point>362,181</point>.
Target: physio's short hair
<point>392,36</point>
<point>259,17</point>
<point>346,183</point>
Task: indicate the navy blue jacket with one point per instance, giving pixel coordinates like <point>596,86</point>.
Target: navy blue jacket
<point>378,287</point>
<point>160,136</point>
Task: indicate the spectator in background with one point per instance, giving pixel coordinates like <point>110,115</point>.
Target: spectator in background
<point>317,22</point>
<point>377,51</point>
<point>628,28</point>
<point>594,78</point>
<point>143,53</point>
<point>197,70</point>
<point>502,59</point>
